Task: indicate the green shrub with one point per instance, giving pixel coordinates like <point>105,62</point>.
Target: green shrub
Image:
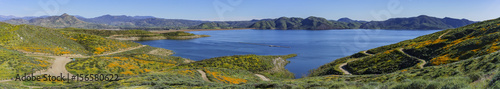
<point>434,85</point>
<point>177,33</point>
<point>418,84</point>
<point>475,76</point>
<point>495,79</point>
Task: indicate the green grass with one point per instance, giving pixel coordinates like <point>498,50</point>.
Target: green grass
<point>386,62</point>
<point>253,63</point>
<point>332,68</point>
<point>180,35</point>
<point>13,62</point>
<point>229,76</point>
<point>38,39</point>
<point>181,78</point>
<point>124,64</point>
<point>99,45</point>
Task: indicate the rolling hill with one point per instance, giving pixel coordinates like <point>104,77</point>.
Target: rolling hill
<point>225,25</point>
<point>421,22</point>
<point>310,23</point>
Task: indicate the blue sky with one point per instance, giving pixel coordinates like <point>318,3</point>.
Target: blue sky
<point>476,10</point>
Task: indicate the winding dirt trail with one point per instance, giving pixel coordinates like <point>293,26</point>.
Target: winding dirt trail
<point>59,63</point>
<point>343,70</point>
<point>122,50</point>
<point>421,60</point>
<point>421,65</point>
<point>262,77</point>
<point>343,64</point>
<point>203,75</point>
<point>364,52</point>
<point>444,34</point>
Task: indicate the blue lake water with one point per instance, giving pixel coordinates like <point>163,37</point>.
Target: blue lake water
<point>313,47</point>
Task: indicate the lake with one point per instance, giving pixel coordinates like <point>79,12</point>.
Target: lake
<point>313,47</point>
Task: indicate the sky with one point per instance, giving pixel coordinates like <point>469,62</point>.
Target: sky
<point>232,10</point>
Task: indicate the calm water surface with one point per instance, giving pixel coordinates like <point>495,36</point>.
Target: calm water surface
<point>314,47</point>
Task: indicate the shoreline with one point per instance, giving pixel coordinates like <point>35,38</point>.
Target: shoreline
<point>188,30</point>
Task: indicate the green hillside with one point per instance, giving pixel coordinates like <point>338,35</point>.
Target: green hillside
<point>13,63</point>
<point>27,48</point>
<point>317,23</point>
<point>435,49</point>
<point>212,25</point>
<point>28,38</point>
<point>225,25</point>
<point>309,23</point>
<point>271,66</point>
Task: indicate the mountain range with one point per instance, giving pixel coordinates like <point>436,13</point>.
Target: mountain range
<point>225,24</point>
<point>62,21</point>
<point>283,23</point>
<point>2,17</point>
<point>422,22</point>
<point>123,21</point>
<point>310,23</point>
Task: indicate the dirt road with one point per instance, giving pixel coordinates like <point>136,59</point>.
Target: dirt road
<point>262,77</point>
<point>203,75</point>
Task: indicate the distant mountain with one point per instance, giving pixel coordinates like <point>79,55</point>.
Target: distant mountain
<point>347,20</point>
<point>143,17</point>
<point>16,21</point>
<point>455,23</point>
<point>112,20</point>
<point>160,22</point>
<point>62,21</point>
<point>212,25</point>
<point>310,23</point>
<point>142,22</point>
<point>2,18</point>
<point>225,25</point>
<point>420,22</point>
